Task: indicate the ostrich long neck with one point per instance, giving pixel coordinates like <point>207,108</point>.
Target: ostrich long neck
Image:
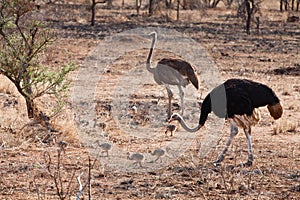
<point>148,64</point>
<point>205,110</point>
<point>187,128</point>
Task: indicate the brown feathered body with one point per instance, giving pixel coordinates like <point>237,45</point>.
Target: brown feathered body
<point>182,70</point>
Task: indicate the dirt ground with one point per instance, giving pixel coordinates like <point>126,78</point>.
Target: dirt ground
<point>34,166</point>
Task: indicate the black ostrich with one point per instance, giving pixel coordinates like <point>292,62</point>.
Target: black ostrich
<point>237,100</point>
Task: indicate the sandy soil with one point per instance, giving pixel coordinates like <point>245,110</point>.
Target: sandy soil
<point>31,161</point>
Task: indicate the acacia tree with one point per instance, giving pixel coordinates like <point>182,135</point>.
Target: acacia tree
<point>228,3</point>
<point>297,5</point>
<point>22,40</point>
<point>247,10</point>
<point>285,4</point>
<point>93,8</point>
<point>209,3</point>
<point>151,7</point>
<point>138,4</point>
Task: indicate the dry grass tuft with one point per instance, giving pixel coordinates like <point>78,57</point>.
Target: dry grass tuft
<point>17,130</point>
<point>285,126</point>
<point>64,123</point>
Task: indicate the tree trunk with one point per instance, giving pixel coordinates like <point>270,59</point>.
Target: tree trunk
<point>184,5</point>
<point>30,107</point>
<point>178,5</point>
<point>109,4</point>
<point>215,3</point>
<point>27,96</point>
<point>168,4</point>
<point>138,4</point>
<point>151,4</point>
<point>284,4</point>
<point>93,13</point>
<point>257,24</point>
<point>229,3</point>
<point>248,20</point>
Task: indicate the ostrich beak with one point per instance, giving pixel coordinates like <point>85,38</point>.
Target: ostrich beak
<point>171,118</point>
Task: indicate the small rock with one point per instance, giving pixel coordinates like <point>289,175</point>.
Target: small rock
<point>130,181</point>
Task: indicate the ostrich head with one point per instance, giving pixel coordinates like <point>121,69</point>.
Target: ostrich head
<point>178,117</point>
<point>153,35</point>
<point>175,116</point>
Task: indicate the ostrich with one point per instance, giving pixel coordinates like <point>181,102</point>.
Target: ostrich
<point>105,147</point>
<point>62,146</point>
<point>171,71</point>
<point>172,128</point>
<point>158,153</point>
<point>242,99</point>
<point>137,157</point>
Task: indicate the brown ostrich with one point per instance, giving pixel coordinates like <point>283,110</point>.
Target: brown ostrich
<point>172,71</point>
<point>238,101</point>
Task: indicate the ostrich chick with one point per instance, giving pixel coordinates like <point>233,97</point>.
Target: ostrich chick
<point>62,146</point>
<point>137,157</point>
<point>105,147</point>
<point>170,128</point>
<point>158,153</point>
<point>237,100</point>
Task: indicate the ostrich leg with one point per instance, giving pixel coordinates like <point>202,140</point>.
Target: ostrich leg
<point>233,132</point>
<point>170,95</point>
<point>250,153</point>
<point>140,163</point>
<point>158,157</point>
<point>181,94</point>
